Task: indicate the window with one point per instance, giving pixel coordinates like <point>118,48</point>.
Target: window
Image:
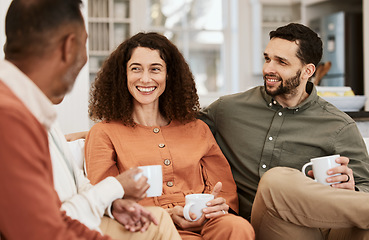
<point>202,30</point>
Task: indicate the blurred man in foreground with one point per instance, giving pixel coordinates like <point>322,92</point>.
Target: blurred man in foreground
<point>44,52</point>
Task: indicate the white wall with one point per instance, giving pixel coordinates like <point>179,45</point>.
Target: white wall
<point>72,112</point>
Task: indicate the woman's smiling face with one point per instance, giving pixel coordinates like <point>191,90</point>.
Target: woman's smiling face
<point>146,75</point>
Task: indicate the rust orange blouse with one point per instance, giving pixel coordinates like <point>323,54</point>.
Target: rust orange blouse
<point>191,160</point>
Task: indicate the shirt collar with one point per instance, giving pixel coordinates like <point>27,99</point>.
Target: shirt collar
<point>28,92</point>
<point>310,89</point>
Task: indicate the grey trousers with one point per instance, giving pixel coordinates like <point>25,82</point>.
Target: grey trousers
<point>289,205</point>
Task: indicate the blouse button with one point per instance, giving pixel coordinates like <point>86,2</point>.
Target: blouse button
<point>280,114</point>
<point>167,162</point>
<point>170,184</point>
<point>156,130</point>
<point>161,145</point>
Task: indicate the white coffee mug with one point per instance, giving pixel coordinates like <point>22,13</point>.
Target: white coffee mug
<point>320,167</point>
<point>154,179</point>
<point>195,203</point>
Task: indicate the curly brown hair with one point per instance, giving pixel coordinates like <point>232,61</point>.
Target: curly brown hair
<point>110,99</point>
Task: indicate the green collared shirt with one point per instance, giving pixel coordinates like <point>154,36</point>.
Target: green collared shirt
<point>255,134</point>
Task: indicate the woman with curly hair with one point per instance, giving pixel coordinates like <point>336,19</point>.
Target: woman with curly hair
<point>145,101</point>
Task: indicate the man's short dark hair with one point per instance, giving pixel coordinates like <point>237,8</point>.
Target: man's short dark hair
<point>310,44</point>
<point>31,24</point>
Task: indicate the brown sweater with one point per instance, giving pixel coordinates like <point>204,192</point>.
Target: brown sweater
<point>191,160</point>
<point>29,206</point>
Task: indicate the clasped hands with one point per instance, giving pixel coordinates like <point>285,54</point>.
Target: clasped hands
<point>216,207</point>
<point>127,211</point>
<point>132,215</point>
<point>345,174</point>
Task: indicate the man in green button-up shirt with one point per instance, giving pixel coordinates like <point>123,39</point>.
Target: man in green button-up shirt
<point>285,124</point>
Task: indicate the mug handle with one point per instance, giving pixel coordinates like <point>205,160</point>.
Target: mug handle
<point>305,166</point>
<point>186,212</point>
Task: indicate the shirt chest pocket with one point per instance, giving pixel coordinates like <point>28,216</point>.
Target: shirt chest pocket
<point>295,155</point>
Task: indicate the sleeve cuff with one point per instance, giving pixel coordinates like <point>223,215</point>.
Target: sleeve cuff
<point>108,211</point>
<point>111,190</point>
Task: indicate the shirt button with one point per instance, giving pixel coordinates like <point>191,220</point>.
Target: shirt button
<point>161,145</point>
<point>167,162</point>
<point>156,130</point>
<point>280,114</point>
<point>270,104</point>
<point>275,102</point>
<point>270,138</point>
<point>170,184</point>
<point>297,110</point>
<point>264,166</point>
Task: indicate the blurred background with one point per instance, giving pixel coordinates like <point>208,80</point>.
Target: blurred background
<point>222,40</point>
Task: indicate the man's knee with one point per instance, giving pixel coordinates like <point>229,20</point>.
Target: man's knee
<point>277,182</point>
<point>275,178</point>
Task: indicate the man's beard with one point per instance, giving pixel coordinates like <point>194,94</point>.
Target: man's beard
<point>67,81</point>
<point>290,88</point>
